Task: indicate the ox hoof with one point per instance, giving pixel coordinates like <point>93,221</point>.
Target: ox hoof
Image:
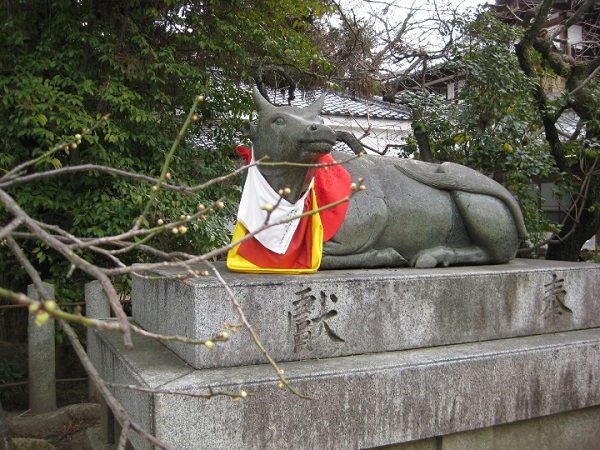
<point>433,257</point>
<point>425,262</point>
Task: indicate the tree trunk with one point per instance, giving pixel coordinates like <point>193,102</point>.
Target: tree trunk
<point>421,135</point>
<point>423,143</point>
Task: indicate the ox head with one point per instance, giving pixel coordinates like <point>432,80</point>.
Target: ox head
<point>288,133</point>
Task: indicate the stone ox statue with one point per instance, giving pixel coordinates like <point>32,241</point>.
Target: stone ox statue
<point>411,213</point>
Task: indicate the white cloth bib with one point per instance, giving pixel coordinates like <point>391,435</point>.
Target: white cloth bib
<point>257,192</point>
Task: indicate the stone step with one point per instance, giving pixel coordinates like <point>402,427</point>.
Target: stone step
<point>357,401</point>
<point>349,312</point>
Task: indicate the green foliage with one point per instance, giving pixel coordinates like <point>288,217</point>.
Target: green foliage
<point>10,373</point>
<point>494,126</point>
<point>68,64</point>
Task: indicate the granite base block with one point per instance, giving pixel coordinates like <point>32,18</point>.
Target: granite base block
<point>358,401</point>
<point>570,430</point>
<point>350,312</point>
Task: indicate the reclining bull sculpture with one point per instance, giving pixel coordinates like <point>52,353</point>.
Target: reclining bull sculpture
<point>411,212</point>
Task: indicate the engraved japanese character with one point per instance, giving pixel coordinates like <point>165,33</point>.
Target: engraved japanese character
<point>554,301</point>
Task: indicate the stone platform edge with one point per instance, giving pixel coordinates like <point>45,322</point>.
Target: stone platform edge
<point>359,401</point>
<point>350,312</point>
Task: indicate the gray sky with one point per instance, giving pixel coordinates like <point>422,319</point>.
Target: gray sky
<point>422,4</point>
<point>470,3</point>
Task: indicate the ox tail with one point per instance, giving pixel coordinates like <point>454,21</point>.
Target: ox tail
<point>455,177</point>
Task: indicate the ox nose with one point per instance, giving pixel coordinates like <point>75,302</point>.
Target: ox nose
<point>319,132</point>
<point>318,128</point>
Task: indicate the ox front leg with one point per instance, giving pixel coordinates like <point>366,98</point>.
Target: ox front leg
<point>368,260</point>
<point>448,256</point>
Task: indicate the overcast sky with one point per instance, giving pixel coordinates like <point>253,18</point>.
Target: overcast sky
<point>424,4</point>
<point>470,3</point>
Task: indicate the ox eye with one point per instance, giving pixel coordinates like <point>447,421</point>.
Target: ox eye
<point>279,121</point>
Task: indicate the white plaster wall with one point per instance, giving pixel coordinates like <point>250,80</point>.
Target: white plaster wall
<point>379,132</point>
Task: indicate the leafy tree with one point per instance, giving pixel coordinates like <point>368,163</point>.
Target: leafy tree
<point>68,64</point>
<point>493,124</point>
<point>541,60</point>
<point>78,251</point>
<point>102,162</point>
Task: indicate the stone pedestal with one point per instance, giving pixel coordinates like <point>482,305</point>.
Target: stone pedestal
<point>340,313</point>
<point>389,356</point>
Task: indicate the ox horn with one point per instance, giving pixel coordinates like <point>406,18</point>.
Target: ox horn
<point>259,101</point>
<point>263,104</point>
<point>317,105</point>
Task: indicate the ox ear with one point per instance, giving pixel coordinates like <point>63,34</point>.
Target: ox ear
<point>249,129</point>
<point>259,101</point>
<point>317,105</point>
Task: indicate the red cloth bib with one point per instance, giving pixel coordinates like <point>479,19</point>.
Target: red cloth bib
<point>298,254</point>
<point>332,183</point>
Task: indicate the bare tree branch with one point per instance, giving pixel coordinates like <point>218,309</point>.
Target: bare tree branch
<point>79,262</point>
<point>8,229</point>
<point>111,401</point>
<point>583,84</point>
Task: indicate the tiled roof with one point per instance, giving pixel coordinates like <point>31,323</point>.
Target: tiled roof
<point>342,105</point>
